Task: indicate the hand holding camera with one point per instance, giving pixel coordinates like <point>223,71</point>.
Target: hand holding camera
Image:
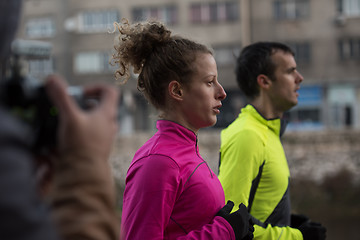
<point>76,131</point>
<point>27,98</point>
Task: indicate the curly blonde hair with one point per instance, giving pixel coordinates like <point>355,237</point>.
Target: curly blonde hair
<point>156,55</point>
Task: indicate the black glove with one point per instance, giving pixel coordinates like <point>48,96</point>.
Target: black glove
<point>240,221</point>
<point>313,231</point>
<point>297,220</point>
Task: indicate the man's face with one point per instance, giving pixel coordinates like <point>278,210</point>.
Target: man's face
<point>283,91</point>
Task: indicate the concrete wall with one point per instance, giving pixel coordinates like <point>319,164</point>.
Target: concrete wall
<point>313,155</point>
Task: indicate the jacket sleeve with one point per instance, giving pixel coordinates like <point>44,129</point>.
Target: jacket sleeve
<point>274,232</point>
<point>152,187</point>
<point>240,161</point>
<point>22,213</point>
<point>219,228</point>
<point>83,199</point>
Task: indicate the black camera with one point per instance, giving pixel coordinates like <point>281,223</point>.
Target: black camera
<point>26,98</point>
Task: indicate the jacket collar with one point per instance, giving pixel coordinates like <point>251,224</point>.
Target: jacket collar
<point>176,131</point>
<point>273,124</point>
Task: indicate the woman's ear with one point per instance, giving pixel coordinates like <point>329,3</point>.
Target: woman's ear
<point>263,81</point>
<point>175,90</point>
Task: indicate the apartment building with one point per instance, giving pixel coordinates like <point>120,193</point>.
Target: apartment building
<point>325,34</point>
<point>326,38</point>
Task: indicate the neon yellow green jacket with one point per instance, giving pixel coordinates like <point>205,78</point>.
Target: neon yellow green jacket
<point>253,170</point>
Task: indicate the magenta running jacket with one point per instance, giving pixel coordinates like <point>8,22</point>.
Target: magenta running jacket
<point>170,192</point>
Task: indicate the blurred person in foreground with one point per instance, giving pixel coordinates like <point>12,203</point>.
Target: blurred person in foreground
<point>170,191</point>
<point>82,198</point>
<point>253,167</point>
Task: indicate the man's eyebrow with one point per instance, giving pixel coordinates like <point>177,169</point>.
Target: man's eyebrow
<point>291,69</point>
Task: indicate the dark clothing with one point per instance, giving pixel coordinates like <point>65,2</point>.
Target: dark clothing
<point>23,216</point>
<point>82,205</point>
<point>9,18</point>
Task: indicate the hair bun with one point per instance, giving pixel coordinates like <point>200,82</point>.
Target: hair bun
<point>136,43</point>
<point>154,34</point>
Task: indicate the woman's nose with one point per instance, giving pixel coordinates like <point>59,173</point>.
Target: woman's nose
<point>221,93</point>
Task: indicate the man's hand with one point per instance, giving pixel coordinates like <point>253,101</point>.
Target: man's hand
<point>298,219</point>
<point>313,231</point>
<point>82,194</point>
<point>80,132</point>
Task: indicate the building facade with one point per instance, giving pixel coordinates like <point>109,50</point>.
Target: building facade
<point>325,36</point>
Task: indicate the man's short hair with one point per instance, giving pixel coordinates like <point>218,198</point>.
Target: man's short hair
<point>255,59</point>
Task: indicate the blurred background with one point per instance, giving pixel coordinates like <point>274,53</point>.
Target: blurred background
<point>322,141</point>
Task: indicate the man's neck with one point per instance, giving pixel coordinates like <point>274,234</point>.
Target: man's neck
<point>266,109</point>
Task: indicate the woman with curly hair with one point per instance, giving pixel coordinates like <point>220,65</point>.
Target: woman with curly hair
<point>171,192</point>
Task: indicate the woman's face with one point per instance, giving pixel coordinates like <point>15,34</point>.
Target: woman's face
<point>203,96</point>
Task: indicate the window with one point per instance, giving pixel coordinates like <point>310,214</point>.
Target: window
<point>349,49</point>
<point>40,68</point>
<point>291,9</point>
<point>98,21</point>
<point>165,14</point>
<point>308,118</point>
<point>307,115</point>
<point>349,7</point>
<point>302,52</point>
<point>214,12</point>
<point>40,28</point>
<point>342,100</point>
<point>226,55</point>
<point>92,62</point>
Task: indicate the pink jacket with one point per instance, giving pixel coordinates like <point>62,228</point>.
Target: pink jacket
<point>170,192</point>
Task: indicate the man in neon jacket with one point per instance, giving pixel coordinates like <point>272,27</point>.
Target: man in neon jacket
<point>253,168</point>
